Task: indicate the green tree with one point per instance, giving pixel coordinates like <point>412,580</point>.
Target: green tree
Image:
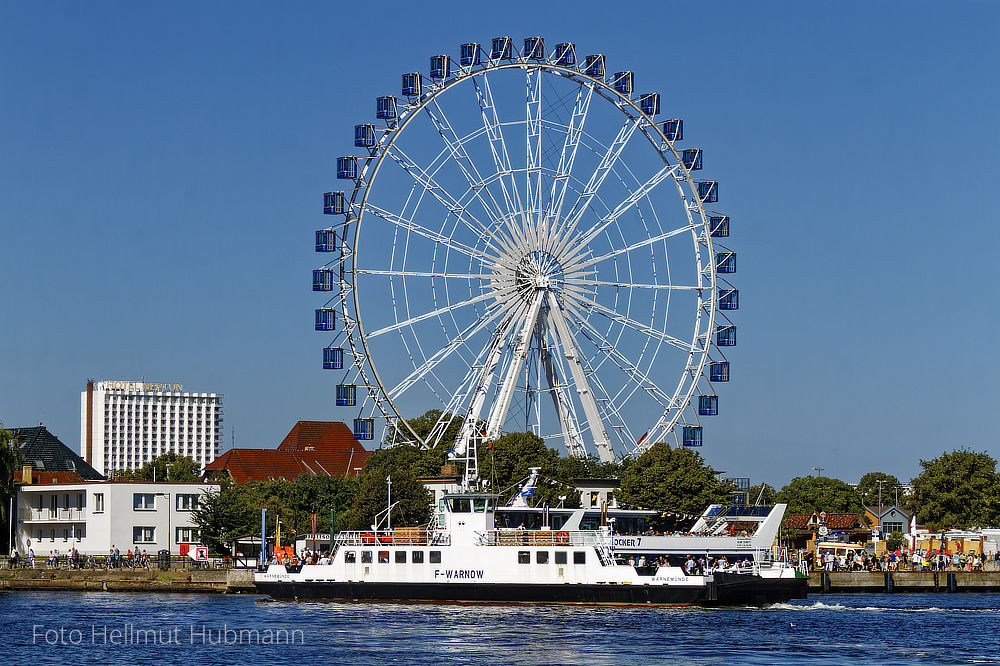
<point>10,464</point>
<point>423,425</point>
<point>671,479</point>
<point>764,492</point>
<point>957,490</point>
<point>895,540</point>
<point>170,466</point>
<point>508,463</point>
<point>868,488</point>
<point>404,464</point>
<point>223,515</point>
<point>805,494</point>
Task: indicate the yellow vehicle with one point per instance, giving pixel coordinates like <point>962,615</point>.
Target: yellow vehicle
<point>837,548</point>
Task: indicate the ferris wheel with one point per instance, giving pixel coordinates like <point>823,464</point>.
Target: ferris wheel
<point>521,245</point>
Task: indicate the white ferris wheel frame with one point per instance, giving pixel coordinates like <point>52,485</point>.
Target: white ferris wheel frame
<point>380,396</point>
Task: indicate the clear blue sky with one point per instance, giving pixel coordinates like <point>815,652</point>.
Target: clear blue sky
<point>161,172</point>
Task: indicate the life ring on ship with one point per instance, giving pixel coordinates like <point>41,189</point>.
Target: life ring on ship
<point>562,537</point>
<point>368,537</point>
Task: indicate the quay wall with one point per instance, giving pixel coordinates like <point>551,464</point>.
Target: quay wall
<point>221,581</point>
<point>904,581</point>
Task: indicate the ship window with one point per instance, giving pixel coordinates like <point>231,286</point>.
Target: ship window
<point>418,557</point>
<point>560,557</point>
<point>350,557</point>
<point>435,557</point>
<point>479,504</point>
<point>579,557</point>
<point>366,557</point>
<point>460,505</point>
<point>400,557</point>
<point>383,557</point>
<point>542,557</point>
<point>524,557</point>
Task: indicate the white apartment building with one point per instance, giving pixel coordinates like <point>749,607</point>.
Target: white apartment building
<point>125,424</point>
<point>96,516</point>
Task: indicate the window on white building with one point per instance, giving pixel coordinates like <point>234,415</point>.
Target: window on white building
<point>187,535</point>
<point>186,502</point>
<point>143,502</point>
<point>143,534</point>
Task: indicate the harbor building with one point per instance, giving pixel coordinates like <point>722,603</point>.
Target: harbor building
<point>126,424</point>
<point>96,516</point>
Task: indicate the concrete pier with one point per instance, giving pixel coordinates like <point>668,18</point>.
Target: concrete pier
<point>904,581</point>
<point>222,581</point>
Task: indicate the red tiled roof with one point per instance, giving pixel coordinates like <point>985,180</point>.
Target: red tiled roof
<point>834,521</point>
<point>318,436</point>
<point>796,521</point>
<point>45,478</point>
<point>311,447</point>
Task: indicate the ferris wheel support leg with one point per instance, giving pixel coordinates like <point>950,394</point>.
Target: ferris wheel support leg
<point>498,414</point>
<point>597,431</point>
<point>572,438</point>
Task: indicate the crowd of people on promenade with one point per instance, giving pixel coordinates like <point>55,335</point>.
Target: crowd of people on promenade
<point>72,559</point>
<point>902,559</point>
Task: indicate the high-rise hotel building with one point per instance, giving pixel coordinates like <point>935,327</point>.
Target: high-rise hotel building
<point>125,425</point>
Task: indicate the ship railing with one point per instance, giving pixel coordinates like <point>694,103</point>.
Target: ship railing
<point>400,536</point>
<point>541,538</point>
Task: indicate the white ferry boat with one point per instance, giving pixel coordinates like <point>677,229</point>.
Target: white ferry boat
<point>465,558</point>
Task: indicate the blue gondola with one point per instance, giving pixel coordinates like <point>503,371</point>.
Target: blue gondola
<point>440,67</point>
<point>470,54</point>
<point>347,168</point>
<point>623,82</point>
<point>385,108</point>
<point>691,436</point>
<point>334,203</point>
<point>718,371</point>
<point>729,299</point>
<point>593,65</point>
<point>534,48</point>
<point>326,240</point>
<point>708,191</point>
<point>719,226</point>
<point>364,429</point>
<point>565,55</point>
<point>725,336</point>
<point>725,262</point>
<point>323,279</point>
<point>411,85</point>
<point>650,103</point>
<point>347,395</point>
<point>326,319</point>
<point>502,48</point>
<point>674,130</point>
<point>364,136</point>
<point>708,405</point>
<point>333,358</point>
<point>691,157</point>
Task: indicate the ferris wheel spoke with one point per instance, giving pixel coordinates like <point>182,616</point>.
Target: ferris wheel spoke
<point>533,152</point>
<point>446,199</point>
<point>498,147</point>
<point>584,239</point>
<point>458,276</point>
<point>574,132</point>
<point>628,368</point>
<point>635,246</point>
<point>582,203</point>
<point>433,313</point>
<point>632,285</point>
<point>443,353</point>
<point>597,308</point>
<point>437,237</point>
<point>461,158</point>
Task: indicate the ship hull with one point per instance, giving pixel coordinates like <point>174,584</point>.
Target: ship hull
<point>725,590</point>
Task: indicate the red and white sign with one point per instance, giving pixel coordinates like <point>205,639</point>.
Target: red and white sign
<point>198,554</point>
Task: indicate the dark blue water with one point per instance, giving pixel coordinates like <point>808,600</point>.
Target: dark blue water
<point>77,628</point>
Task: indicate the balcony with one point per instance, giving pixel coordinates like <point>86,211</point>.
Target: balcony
<point>52,515</point>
